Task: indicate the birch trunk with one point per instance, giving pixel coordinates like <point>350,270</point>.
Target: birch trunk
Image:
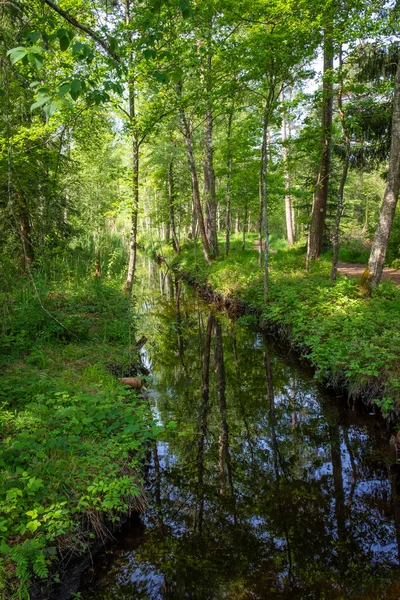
<point>288,199</point>
<point>379,246</point>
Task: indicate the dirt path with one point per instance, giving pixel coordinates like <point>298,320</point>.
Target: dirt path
<point>355,270</point>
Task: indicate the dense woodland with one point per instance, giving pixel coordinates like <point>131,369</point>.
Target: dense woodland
<point>198,120</point>
<point>250,145</point>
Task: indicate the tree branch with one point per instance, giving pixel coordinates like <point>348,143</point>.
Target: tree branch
<point>99,40</point>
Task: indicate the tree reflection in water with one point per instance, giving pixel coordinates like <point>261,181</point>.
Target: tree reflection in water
<point>267,488</point>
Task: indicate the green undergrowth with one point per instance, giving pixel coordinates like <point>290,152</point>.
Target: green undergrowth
<point>72,439</point>
<point>353,341</point>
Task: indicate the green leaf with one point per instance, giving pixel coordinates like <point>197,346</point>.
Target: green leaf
<point>185,9</point>
<point>34,36</point>
<point>61,33</point>
<point>41,101</point>
<point>161,77</point>
<point>51,108</point>
<point>112,43</point>
<point>33,525</point>
<point>64,43</point>
<point>77,47</point>
<point>76,86</point>
<point>176,75</point>
<point>35,60</point>
<point>149,53</point>
<point>17,54</point>
<point>64,89</point>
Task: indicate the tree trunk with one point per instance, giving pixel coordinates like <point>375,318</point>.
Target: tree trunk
<point>134,217</point>
<point>245,226</point>
<point>195,182</point>
<point>171,202</point>
<point>288,199</point>
<point>209,185</point>
<point>379,245</point>
<point>263,221</point>
<point>135,167</point>
<point>209,174</point>
<point>25,232</point>
<point>228,186</point>
<point>318,215</point>
<point>339,210</point>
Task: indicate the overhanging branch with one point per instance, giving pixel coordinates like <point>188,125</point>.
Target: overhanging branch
<point>99,40</point>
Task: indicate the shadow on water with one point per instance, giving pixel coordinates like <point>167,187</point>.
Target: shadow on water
<point>261,486</point>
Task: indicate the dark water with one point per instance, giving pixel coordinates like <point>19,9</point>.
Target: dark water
<point>262,486</point>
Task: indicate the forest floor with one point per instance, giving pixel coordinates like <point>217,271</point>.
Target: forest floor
<point>356,270</point>
<point>73,439</point>
<point>352,341</point>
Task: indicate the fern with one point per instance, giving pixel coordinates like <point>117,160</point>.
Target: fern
<point>40,567</point>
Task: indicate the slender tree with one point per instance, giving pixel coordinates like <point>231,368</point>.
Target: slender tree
<point>373,273</point>
<point>345,169</point>
<point>288,199</point>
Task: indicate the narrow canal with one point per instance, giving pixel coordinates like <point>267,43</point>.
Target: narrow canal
<point>262,485</point>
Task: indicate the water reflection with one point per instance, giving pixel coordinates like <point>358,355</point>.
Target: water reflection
<point>266,488</point>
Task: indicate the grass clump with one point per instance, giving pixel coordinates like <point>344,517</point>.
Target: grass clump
<point>353,342</point>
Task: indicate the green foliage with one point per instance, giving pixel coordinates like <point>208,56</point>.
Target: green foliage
<point>352,341</point>
<point>354,250</point>
<point>72,440</point>
<point>66,457</point>
<point>85,310</point>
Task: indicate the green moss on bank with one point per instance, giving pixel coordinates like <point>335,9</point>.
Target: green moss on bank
<point>352,341</point>
<point>73,439</point>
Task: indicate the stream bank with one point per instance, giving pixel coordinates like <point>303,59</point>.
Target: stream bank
<point>73,439</point>
<point>353,342</point>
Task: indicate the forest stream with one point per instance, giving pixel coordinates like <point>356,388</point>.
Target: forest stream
<point>262,484</point>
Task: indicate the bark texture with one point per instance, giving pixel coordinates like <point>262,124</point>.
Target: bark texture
<point>320,199</point>
<point>288,199</point>
<point>379,246</point>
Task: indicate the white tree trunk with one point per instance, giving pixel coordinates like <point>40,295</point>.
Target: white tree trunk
<point>379,246</point>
